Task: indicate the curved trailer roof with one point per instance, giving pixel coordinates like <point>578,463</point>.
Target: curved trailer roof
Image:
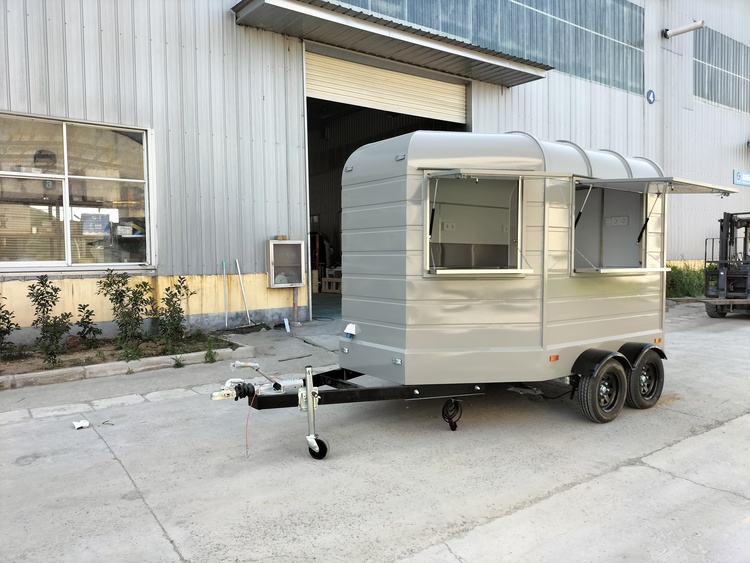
<point>521,152</point>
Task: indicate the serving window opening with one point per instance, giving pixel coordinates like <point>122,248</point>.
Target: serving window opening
<point>473,224</point>
<point>617,230</point>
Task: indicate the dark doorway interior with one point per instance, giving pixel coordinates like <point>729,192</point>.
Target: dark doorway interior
<point>334,131</point>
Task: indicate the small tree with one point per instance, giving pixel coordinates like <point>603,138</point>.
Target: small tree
<point>172,315</point>
<point>129,306</point>
<point>7,326</point>
<point>44,297</point>
<point>86,327</point>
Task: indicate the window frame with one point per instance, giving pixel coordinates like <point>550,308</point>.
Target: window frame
<point>429,176</point>
<point>67,265</point>
<point>721,70</point>
<point>643,187</point>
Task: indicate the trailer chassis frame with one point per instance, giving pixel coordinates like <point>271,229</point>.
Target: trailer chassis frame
<point>603,379</point>
<point>341,389</point>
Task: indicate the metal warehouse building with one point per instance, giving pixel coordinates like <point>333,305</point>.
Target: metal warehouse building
<point>166,138</point>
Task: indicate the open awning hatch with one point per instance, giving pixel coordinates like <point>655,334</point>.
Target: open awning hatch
<point>658,185</point>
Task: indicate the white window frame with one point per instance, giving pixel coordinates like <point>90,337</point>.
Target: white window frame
<point>67,266</point>
<point>430,176</point>
<point>643,187</point>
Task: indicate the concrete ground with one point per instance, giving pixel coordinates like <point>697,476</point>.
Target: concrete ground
<point>165,474</point>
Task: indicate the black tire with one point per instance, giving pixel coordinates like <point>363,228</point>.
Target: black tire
<point>322,449</point>
<point>715,311</point>
<point>602,394</point>
<point>646,382</point>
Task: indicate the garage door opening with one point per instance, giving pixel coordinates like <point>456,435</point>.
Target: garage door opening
<point>334,131</point>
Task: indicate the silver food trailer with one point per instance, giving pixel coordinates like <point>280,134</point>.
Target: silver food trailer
<point>471,260</point>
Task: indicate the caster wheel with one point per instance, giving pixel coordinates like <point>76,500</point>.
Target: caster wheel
<point>322,449</point>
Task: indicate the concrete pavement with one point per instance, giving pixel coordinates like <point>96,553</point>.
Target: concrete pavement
<point>276,351</point>
<point>165,474</point>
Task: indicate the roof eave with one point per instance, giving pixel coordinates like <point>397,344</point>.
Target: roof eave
<point>380,37</point>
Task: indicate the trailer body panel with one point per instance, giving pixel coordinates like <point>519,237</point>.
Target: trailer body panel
<point>497,258</point>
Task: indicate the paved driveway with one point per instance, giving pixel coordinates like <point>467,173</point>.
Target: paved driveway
<point>164,474</point>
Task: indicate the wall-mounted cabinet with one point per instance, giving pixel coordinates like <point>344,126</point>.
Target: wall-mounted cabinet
<point>285,263</point>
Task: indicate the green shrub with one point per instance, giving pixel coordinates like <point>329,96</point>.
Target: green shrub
<point>13,352</point>
<point>129,307</point>
<point>210,355</point>
<point>86,327</point>
<point>7,326</point>
<point>172,316</point>
<point>685,281</point>
<point>53,328</point>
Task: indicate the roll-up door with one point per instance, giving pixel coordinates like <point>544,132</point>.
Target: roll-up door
<point>348,82</point>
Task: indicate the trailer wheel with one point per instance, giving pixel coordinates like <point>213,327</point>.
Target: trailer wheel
<point>602,394</point>
<point>322,449</point>
<point>715,312</point>
<point>646,382</point>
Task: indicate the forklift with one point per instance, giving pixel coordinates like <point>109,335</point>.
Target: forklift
<point>727,267</point>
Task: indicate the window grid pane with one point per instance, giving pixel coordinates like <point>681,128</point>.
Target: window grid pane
<point>31,220</point>
<point>104,210</point>
<point>107,153</point>
<point>32,146</point>
<point>721,70</point>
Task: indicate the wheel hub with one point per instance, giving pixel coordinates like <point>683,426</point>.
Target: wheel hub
<point>646,380</point>
<point>607,392</point>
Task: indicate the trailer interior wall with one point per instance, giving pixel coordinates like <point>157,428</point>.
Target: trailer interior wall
<point>413,327</point>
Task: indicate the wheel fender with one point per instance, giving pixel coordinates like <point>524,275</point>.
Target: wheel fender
<point>589,361</point>
<point>634,352</point>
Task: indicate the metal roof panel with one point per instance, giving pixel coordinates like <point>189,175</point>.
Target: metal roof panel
<point>333,24</point>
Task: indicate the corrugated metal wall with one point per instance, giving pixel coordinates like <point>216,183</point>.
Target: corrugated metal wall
<point>225,103</point>
<point>702,140</point>
<point>689,136</point>
<point>226,106</point>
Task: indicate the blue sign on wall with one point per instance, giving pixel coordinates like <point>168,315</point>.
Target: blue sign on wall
<point>741,177</point>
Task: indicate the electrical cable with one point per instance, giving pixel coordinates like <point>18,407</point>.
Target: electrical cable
<point>452,411</point>
<point>543,396</point>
